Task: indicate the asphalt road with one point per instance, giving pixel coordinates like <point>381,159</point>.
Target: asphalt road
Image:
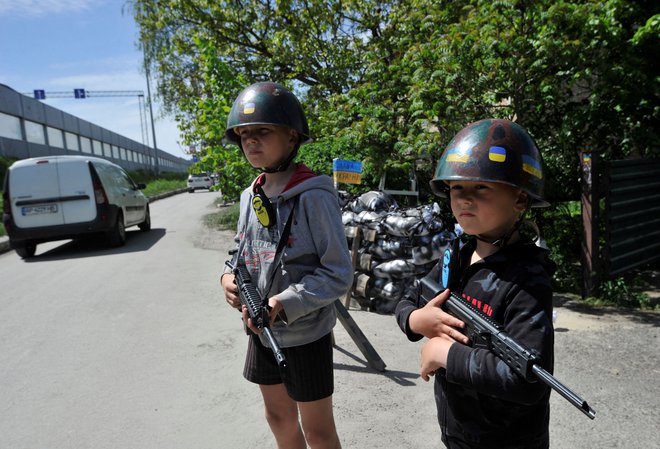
<point>134,347</point>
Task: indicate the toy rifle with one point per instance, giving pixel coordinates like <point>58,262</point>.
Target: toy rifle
<point>256,307</point>
<point>482,330</point>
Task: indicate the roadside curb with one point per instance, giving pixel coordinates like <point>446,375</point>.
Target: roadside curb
<point>4,240</point>
<point>4,244</point>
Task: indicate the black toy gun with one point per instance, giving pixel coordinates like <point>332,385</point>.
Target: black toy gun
<point>485,332</point>
<point>256,308</point>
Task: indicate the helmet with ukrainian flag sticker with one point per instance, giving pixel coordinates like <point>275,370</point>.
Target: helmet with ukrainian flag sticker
<point>266,103</point>
<point>492,150</point>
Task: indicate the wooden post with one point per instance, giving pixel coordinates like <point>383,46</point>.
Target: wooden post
<point>589,163</point>
<point>360,340</point>
<point>355,233</point>
<point>354,331</point>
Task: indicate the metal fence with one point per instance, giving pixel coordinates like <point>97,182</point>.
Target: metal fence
<point>621,202</point>
<point>633,214</point>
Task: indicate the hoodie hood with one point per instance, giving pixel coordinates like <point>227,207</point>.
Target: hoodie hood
<point>302,180</point>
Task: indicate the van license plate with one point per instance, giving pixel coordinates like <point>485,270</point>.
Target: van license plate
<point>38,210</point>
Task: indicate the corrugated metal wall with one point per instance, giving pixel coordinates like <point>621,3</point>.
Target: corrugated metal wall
<point>633,214</point>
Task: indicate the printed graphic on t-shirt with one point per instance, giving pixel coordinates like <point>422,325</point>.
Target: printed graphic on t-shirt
<point>259,256</point>
<point>484,307</point>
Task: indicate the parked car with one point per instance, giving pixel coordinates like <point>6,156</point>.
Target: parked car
<point>199,181</point>
<point>64,197</point>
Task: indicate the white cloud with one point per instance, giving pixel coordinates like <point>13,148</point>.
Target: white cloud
<point>35,8</point>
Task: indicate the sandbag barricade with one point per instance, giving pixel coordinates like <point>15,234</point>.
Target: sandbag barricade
<point>395,247</point>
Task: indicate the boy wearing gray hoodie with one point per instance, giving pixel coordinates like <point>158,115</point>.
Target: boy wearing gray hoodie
<point>302,281</point>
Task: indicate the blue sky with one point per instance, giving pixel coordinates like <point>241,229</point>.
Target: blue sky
<point>61,45</point>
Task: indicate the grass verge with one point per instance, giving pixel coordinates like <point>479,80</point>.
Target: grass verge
<point>225,219</point>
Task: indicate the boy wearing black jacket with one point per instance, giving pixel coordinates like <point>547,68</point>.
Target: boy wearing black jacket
<point>492,173</point>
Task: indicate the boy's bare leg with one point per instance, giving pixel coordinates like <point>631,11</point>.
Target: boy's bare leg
<point>282,417</point>
<point>319,424</point>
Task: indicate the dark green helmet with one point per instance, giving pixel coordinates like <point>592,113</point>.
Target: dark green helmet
<point>266,103</point>
<point>492,150</point>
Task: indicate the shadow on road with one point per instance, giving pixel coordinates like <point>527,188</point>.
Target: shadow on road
<point>93,246</point>
<point>400,377</point>
<point>640,316</point>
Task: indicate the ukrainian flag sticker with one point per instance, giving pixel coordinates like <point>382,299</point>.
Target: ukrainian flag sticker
<point>497,154</point>
<point>455,155</point>
<point>248,108</point>
<point>532,166</point>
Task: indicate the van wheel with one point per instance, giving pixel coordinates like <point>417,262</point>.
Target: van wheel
<point>26,249</point>
<point>146,224</point>
<point>117,235</point>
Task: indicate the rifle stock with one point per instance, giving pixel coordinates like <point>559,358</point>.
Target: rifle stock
<point>258,313</point>
<point>484,331</point>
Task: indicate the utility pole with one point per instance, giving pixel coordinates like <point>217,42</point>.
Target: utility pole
<point>151,114</point>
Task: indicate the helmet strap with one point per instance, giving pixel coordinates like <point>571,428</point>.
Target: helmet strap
<point>502,241</point>
<point>284,165</point>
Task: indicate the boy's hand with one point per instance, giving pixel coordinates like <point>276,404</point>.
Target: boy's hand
<point>431,321</point>
<point>248,321</point>
<point>434,356</point>
<point>274,306</point>
<point>231,291</point>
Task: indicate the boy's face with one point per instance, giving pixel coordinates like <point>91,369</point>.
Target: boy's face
<point>488,209</point>
<point>266,145</point>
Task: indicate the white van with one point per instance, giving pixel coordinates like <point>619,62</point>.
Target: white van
<point>64,197</point>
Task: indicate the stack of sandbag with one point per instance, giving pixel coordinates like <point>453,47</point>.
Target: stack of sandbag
<point>391,247</point>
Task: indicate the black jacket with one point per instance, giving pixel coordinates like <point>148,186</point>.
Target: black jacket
<point>480,400</point>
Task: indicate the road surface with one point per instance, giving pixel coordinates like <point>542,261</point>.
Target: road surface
<point>134,347</point>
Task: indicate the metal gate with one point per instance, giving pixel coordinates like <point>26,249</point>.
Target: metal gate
<point>630,217</point>
<point>633,215</point>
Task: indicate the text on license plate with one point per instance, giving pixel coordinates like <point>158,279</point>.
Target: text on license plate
<point>38,210</point>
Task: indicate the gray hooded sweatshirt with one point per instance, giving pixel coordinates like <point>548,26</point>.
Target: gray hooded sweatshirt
<point>315,267</point>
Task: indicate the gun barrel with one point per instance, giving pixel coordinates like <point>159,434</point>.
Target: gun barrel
<point>563,390</point>
<point>277,351</point>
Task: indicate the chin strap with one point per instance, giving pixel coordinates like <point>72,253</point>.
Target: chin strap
<point>501,241</point>
<point>504,239</point>
<point>284,164</point>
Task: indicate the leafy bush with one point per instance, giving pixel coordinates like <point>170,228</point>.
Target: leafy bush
<point>5,162</point>
<point>621,292</point>
<point>147,176</point>
<point>561,227</point>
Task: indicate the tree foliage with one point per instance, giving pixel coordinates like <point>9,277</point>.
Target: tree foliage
<point>389,83</point>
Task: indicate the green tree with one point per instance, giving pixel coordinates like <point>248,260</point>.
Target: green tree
<point>389,83</point>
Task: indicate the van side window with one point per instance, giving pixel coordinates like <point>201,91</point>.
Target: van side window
<point>111,176</point>
<point>128,181</point>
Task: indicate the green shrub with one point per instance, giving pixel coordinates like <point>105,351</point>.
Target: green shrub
<point>621,292</point>
<point>5,162</point>
<point>147,176</point>
<point>561,227</point>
